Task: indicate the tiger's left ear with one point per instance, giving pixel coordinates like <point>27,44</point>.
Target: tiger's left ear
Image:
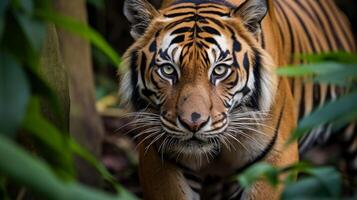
<point>139,13</point>
<point>252,12</point>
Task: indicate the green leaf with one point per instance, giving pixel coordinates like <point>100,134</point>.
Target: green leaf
<point>311,69</point>
<point>36,175</point>
<point>14,94</point>
<point>26,6</point>
<point>256,172</point>
<point>2,25</point>
<point>340,56</point>
<point>324,183</point>
<point>62,147</point>
<point>3,191</point>
<point>329,178</point>
<point>331,111</point>
<point>3,7</point>
<point>18,44</point>
<point>56,143</point>
<point>84,31</point>
<point>34,30</point>
<point>342,77</point>
<point>344,120</point>
<point>39,87</point>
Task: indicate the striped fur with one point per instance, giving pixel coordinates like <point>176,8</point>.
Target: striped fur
<point>201,78</point>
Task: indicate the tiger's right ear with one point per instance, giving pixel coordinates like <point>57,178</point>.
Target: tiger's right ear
<point>252,12</point>
<point>139,13</point>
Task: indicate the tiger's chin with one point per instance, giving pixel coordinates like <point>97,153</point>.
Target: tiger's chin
<point>193,152</point>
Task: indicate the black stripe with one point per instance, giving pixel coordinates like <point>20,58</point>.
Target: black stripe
<point>178,14</point>
<point>233,83</point>
<point>209,6</point>
<point>219,121</point>
<point>246,63</point>
<point>262,39</point>
<point>211,40</point>
<point>316,91</point>
<point>181,30</point>
<point>255,97</point>
<point>143,68</point>
<point>211,30</point>
<point>215,21</point>
<point>191,176</point>
<point>178,39</point>
<point>302,100</point>
<point>183,7</point>
<point>221,14</point>
<point>136,100</point>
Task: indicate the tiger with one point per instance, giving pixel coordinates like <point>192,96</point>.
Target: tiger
<point>200,80</point>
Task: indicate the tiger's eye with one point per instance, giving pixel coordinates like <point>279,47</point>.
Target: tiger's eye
<point>168,70</point>
<point>220,70</point>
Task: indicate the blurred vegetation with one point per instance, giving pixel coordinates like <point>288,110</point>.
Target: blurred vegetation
<point>34,106</point>
<point>37,148</point>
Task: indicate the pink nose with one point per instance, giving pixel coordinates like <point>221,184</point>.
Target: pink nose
<point>194,123</point>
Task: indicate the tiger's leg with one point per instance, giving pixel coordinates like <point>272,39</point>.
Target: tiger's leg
<point>161,180</point>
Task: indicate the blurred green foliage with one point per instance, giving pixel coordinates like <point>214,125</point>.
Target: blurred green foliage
<point>48,169</point>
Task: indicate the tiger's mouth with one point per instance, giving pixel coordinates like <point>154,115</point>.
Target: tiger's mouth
<point>194,141</point>
<point>178,140</point>
<point>192,146</point>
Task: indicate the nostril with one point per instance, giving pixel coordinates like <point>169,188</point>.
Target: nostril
<point>185,123</point>
<point>195,116</point>
<point>191,125</point>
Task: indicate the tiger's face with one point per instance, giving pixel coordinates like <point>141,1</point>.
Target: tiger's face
<point>198,72</point>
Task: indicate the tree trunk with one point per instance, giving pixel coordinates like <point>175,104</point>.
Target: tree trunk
<point>85,124</point>
<point>54,73</point>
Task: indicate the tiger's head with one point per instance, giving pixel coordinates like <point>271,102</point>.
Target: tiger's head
<point>197,73</point>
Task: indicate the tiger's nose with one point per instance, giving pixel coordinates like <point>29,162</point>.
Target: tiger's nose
<point>193,123</point>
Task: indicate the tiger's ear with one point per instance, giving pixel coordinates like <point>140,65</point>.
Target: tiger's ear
<point>139,13</point>
<point>252,12</point>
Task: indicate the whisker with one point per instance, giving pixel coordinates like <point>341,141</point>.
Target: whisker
<point>154,140</point>
<point>153,129</point>
<point>236,139</point>
<point>147,137</point>
<point>251,129</point>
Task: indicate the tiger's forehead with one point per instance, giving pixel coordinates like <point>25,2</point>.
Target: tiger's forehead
<point>191,31</point>
<point>200,24</point>
<point>183,9</point>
